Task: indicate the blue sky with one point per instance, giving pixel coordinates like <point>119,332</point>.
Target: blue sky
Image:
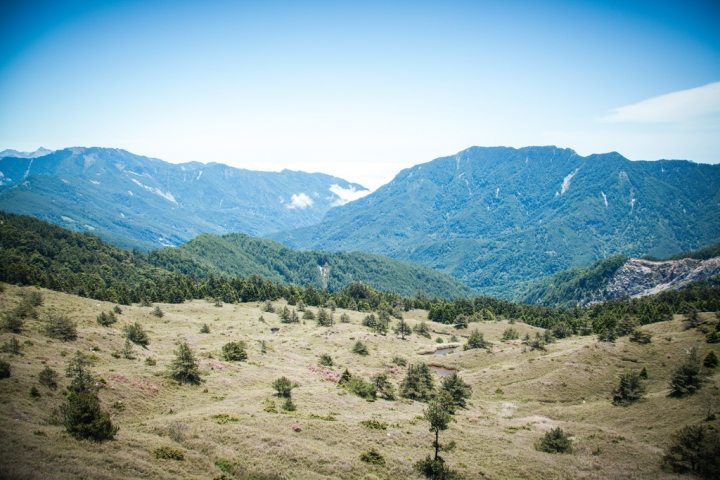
<point>360,89</point>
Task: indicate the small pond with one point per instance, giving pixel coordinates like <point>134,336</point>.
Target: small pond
<point>274,330</point>
<point>442,371</point>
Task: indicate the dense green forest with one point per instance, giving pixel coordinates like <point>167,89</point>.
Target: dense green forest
<point>241,255</point>
<point>34,252</point>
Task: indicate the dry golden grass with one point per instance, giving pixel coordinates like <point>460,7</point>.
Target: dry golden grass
<point>517,395</point>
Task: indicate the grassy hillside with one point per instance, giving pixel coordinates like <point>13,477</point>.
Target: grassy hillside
<point>232,424</point>
<point>242,255</point>
<point>498,217</point>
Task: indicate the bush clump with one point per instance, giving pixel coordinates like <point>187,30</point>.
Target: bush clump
<point>106,319</point>
<point>694,449</point>
<point>399,361</point>
<point>168,453</point>
<point>325,360</point>
<point>435,469</point>
<point>12,346</point>
<point>687,378</point>
<point>49,378</point>
<point>476,340</point>
<point>555,441</point>
<point>283,386</point>
<point>61,328</point>
<point>234,352</point>
<point>157,312</point>
<point>360,348</point>
<point>34,298</point>
<point>510,334</point>
<point>4,369</point>
<point>135,333</point>
<point>711,360</point>
<point>638,336</point>
<point>373,457</point>
<point>630,389</point>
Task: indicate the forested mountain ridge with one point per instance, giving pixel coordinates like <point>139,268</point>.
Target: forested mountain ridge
<point>136,201</point>
<point>242,255</point>
<point>54,257</point>
<point>498,217</point>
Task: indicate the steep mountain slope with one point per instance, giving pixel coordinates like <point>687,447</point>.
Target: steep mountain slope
<point>498,217</point>
<point>138,201</point>
<point>619,276</point>
<point>242,255</point>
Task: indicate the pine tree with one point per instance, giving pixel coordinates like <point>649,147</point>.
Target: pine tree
<point>439,419</point>
<point>710,360</point>
<point>423,330</point>
<point>625,326</point>
<point>457,389</point>
<point>402,329</point>
<point>687,378</point>
<point>283,386</point>
<point>586,327</point>
<point>184,368</point>
<point>476,340</point>
<point>383,385</point>
<point>418,383</point>
<point>325,319</point>
<point>630,389</point>
<point>234,352</point>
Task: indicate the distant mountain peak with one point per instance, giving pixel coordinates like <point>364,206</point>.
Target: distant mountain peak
<point>40,152</point>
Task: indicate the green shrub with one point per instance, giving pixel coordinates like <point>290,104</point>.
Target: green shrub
<point>34,298</point>
<point>283,387</point>
<point>638,336</point>
<point>687,378</point>
<point>399,361</point>
<point>383,385</point>
<point>308,315</point>
<point>456,387</point>
<point>435,469</point>
<point>423,330</point>
<point>234,352</point>
<point>34,392</point>
<point>205,328</point>
<point>135,333</point>
<point>117,309</point>
<point>4,369</point>
<point>418,384</point>
<point>325,319</point>
<point>184,368</point>
<point>555,441</point>
<point>630,389</point>
<point>510,334</point>
<point>49,378</point>
<point>289,406</point>
<point>374,425</point>
<point>439,340</point>
<point>562,330</point>
<point>61,328</point>
<point>157,312</point>
<point>372,457</point>
<point>360,348</point>
<point>325,360</point>
<point>626,326</point>
<point>476,340</point>
<point>168,453</point>
<point>84,419</point>
<point>361,388</point>
<point>150,361</point>
<point>710,360</point>
<point>11,346</point>
<point>269,307</point>
<point>608,335</point>
<point>694,449</point>
<point>344,318</point>
<point>106,319</point>
<point>13,322</point>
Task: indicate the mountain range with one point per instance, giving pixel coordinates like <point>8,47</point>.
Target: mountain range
<point>136,201</point>
<point>499,217</point>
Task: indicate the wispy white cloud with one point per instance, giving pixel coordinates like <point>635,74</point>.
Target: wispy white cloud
<point>671,107</point>
<point>346,194</point>
<point>300,200</point>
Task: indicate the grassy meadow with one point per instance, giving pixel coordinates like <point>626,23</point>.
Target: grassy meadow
<point>232,424</point>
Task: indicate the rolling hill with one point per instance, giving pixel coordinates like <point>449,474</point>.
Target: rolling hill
<point>498,217</point>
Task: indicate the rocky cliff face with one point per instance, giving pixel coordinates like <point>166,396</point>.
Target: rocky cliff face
<point>638,278</point>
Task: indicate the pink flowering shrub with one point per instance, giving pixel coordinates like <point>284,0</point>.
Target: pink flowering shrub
<point>218,365</point>
<point>324,373</point>
<point>296,428</point>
